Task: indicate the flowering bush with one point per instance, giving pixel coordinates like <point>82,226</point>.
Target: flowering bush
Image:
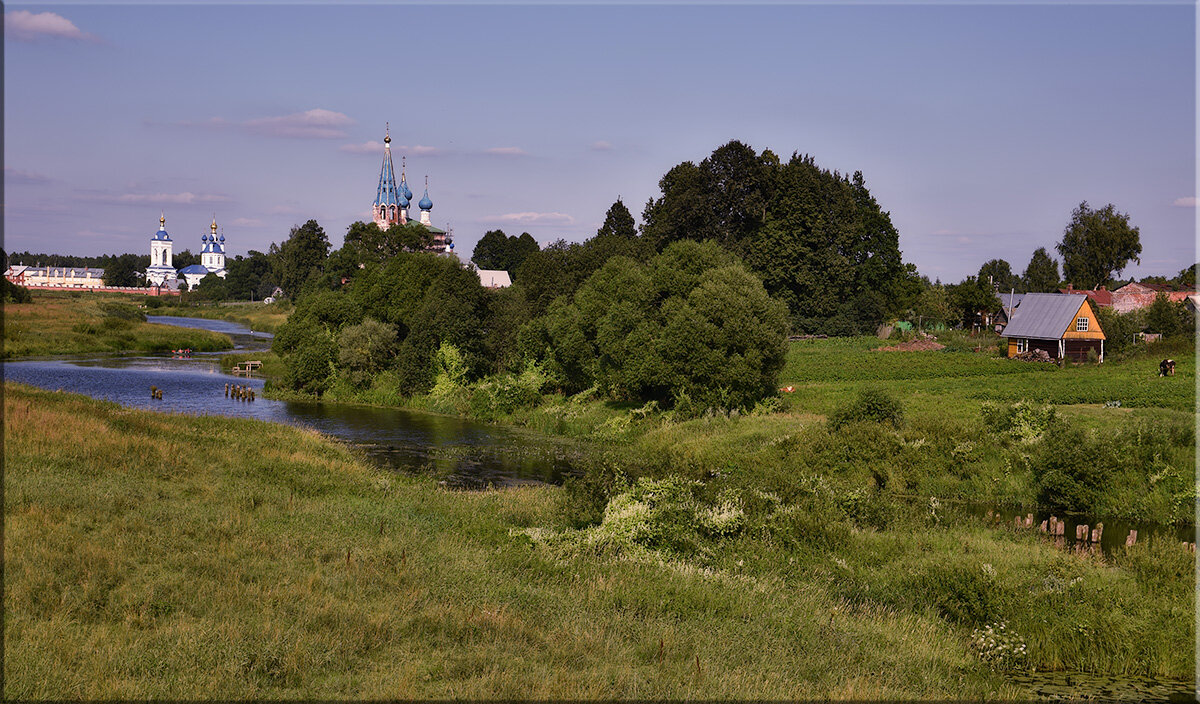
<point>999,647</point>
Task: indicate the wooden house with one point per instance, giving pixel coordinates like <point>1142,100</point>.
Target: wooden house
<point>1064,325</point>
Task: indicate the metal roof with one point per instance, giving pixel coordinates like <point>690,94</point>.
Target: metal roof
<point>1010,300</point>
<point>1044,316</point>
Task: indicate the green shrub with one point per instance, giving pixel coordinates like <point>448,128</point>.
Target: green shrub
<point>1070,469</point>
<point>1024,420</point>
<point>153,302</point>
<point>871,406</point>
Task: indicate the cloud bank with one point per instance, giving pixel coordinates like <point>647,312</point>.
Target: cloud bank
<point>25,26</point>
<point>530,218</point>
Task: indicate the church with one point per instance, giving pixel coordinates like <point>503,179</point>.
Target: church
<point>392,201</point>
<point>161,271</point>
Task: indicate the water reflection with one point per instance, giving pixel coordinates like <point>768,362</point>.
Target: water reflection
<point>462,453</point>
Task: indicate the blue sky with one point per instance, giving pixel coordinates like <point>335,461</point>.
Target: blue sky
<point>979,127</point>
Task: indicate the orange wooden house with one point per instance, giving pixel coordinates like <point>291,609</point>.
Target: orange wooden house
<point>1064,325</point>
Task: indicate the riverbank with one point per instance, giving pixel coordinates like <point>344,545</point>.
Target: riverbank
<point>157,556</point>
<point>972,429</point>
<point>69,323</point>
<point>261,317</point>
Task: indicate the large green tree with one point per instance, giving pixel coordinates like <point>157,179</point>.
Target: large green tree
<point>300,257</point>
<point>1097,244</point>
<point>495,250</point>
<point>998,273</point>
<point>693,326</point>
<point>818,239</point>
<point>1041,276</point>
<point>618,221</point>
<point>123,270</point>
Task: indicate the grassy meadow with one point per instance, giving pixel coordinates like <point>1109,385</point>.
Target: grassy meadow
<point>158,556</point>
<point>263,317</point>
<point>64,323</point>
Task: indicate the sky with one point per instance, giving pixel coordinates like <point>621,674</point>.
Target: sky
<point>978,127</point>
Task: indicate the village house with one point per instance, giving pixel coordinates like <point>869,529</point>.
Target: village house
<point>1063,325</point>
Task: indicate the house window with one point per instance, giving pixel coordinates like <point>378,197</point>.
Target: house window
<point>1022,345</point>
<point>1081,324</point>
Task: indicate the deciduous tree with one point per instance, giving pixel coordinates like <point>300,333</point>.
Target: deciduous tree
<point>1097,244</point>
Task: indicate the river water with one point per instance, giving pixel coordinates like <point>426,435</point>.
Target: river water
<point>463,453</point>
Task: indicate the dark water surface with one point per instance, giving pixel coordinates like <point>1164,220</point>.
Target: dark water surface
<point>463,453</point>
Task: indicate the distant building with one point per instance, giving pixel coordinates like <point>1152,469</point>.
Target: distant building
<point>392,201</point>
<point>494,278</point>
<point>55,276</point>
<point>1064,325</point>
<point>160,270</point>
<point>212,259</point>
<point>1134,296</point>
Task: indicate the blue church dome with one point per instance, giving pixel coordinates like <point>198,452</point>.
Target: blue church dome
<point>403,201</point>
<point>194,269</point>
<point>404,189</point>
<point>425,203</point>
<point>162,230</point>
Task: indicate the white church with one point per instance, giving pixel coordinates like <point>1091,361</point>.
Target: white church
<point>163,273</point>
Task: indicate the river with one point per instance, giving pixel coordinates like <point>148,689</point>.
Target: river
<point>462,453</point>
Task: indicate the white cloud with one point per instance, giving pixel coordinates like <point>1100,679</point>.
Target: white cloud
<point>371,147</point>
<point>505,151</point>
<point>25,26</point>
<point>246,222</point>
<point>310,124</point>
<point>1185,202</point>
<point>602,146</point>
<point>283,210</point>
<point>13,176</point>
<point>531,218</point>
<point>184,198</point>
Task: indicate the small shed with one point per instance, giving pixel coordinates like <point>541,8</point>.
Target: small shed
<point>494,278</point>
<point>1064,325</point>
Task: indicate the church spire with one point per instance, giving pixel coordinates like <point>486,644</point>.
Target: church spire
<point>387,204</point>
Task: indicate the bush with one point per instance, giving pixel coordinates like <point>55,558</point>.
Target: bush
<point>153,302</point>
<point>1070,469</point>
<point>16,294</point>
<point>1023,420</point>
<point>365,349</point>
<point>122,311</point>
<point>310,369</point>
<point>871,406</point>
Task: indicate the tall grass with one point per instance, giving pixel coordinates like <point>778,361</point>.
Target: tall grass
<point>156,556</point>
<point>84,323</point>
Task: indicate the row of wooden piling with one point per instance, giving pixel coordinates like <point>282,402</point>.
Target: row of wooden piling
<point>238,392</point>
<point>1083,533</point>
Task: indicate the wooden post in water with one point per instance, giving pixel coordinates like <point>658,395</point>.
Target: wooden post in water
<point>1097,532</point>
<point>1029,520</point>
<point>1081,532</point>
<point>1131,538</point>
<point>1042,527</point>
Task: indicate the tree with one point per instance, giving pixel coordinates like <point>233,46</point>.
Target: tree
<point>1001,276</point>
<point>618,222</point>
<point>935,305</point>
<point>211,288</point>
<point>365,349</point>
<point>1096,245</point>
<point>491,251</point>
<point>1165,317</point>
<point>973,298</point>
<point>1186,279</point>
<point>299,257</point>
<point>245,275</point>
<point>520,249</point>
<point>1041,276</point>
<point>123,271</point>
<point>184,259</point>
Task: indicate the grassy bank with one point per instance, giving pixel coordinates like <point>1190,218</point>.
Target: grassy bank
<point>1139,428</point>
<point>261,317</point>
<point>62,323</point>
<point>161,556</point>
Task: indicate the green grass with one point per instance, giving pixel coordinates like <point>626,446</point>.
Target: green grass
<point>152,556</point>
<point>262,317</point>
<point>62,323</point>
<point>157,556</point>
